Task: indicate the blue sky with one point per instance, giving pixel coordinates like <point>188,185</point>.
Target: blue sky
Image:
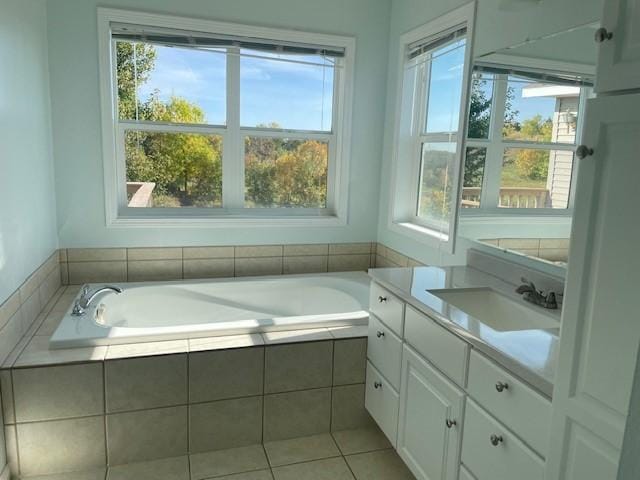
<point>294,95</point>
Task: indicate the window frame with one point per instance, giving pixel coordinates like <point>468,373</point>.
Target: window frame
<point>233,211</point>
<point>496,145</point>
<point>409,135</point>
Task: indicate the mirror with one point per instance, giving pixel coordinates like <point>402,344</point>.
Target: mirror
<point>526,109</point>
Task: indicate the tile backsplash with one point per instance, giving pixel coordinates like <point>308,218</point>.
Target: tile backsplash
<point>86,265</point>
<point>551,249</point>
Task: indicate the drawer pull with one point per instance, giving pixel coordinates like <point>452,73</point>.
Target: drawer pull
<point>379,334</point>
<point>382,299</point>
<point>377,385</point>
<point>450,423</point>
<point>496,440</point>
<point>501,386</point>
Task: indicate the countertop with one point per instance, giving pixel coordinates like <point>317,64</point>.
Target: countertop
<point>530,355</point>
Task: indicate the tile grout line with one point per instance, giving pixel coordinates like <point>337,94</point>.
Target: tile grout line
<point>104,397</point>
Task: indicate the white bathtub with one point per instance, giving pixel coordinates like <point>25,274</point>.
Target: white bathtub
<point>188,309</point>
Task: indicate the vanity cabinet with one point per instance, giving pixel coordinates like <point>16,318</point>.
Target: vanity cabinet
<point>430,420</point>
<point>451,412</point>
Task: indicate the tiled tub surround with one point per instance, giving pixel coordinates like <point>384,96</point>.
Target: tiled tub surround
<point>20,311</point>
<point>87,265</point>
<point>551,249</point>
<point>86,408</point>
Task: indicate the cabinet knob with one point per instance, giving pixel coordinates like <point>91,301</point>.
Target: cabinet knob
<point>379,334</point>
<point>583,152</point>
<point>377,385</point>
<point>602,34</point>
<point>496,440</point>
<point>502,386</point>
<point>382,299</point>
<point>450,423</point>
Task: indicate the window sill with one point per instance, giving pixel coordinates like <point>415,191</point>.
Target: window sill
<point>226,221</point>
<point>419,233</point>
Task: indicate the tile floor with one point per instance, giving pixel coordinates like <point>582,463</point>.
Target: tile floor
<point>363,454</point>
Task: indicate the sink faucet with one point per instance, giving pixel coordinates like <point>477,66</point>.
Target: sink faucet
<point>531,294</point>
<point>86,298</point>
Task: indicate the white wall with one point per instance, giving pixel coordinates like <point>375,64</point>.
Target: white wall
<point>27,199</point>
<point>73,50</point>
<point>499,23</point>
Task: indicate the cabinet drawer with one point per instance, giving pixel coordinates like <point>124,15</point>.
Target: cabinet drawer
<point>387,307</point>
<point>441,348</point>
<point>382,401</point>
<point>525,411</point>
<point>510,458</point>
<point>384,351</point>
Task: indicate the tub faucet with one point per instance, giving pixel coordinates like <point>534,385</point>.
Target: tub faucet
<point>86,298</point>
<point>531,294</point>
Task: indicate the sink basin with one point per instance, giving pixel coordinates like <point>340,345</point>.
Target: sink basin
<point>496,310</point>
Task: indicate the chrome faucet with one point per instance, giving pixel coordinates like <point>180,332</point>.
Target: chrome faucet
<point>86,298</point>
<point>531,294</point>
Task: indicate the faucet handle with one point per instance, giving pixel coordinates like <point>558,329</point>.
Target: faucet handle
<point>85,291</point>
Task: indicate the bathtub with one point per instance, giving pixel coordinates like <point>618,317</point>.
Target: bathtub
<point>154,311</point>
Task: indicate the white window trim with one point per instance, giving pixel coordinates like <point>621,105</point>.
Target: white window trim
<point>495,145</point>
<point>398,220</point>
<point>336,213</point>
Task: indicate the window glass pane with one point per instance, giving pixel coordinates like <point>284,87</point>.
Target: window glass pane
<point>445,88</point>
<point>281,172</point>
<point>473,173</point>
<point>535,178</point>
<point>286,91</point>
<point>540,112</point>
<point>436,169</point>
<point>171,84</point>
<point>173,169</point>
<point>480,105</point>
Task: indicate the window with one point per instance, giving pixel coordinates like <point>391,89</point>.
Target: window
<point>429,143</point>
<point>521,137</point>
<point>223,121</point>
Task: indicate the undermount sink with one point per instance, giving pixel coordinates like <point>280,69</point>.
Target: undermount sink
<point>496,310</point>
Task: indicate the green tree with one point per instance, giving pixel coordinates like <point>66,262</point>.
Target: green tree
<point>134,64</point>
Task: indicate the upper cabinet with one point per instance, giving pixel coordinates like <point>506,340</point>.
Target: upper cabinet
<point>619,52</point>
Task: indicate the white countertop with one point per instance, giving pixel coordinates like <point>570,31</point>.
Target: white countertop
<point>528,354</point>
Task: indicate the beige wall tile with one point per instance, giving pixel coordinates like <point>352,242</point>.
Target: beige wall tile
<point>96,254</point>
<point>519,243</point>
<point>9,337</point>
<point>50,323</point>
<point>311,264</point>
<point>29,287</point>
<point>9,308</point>
<point>207,252</point>
<point>296,414</point>
<point>53,393</point>
<point>229,462</point>
<point>11,443</point>
<point>348,263</point>
<point>382,262</point>
<point>97,272</point>
<point>333,468</point>
<point>560,243</point>
<point>61,445</point>
<point>349,361</point>
<point>349,248</point>
<point>64,273</point>
<point>224,374</point>
<point>223,343</point>
<point>258,266</point>
<point>140,383</point>
<point>259,251</point>
<point>30,310</point>
<point>62,255</point>
<point>6,387</point>
<point>173,468</point>
<point>397,257</point>
<point>225,424</point>
<point>49,286</point>
<point>303,449</point>
<point>147,435</point>
<point>306,250</point>
<point>554,254</point>
<point>298,366</point>
<point>153,270</point>
<point>347,408</point>
<point>209,268</point>
<point>154,253</point>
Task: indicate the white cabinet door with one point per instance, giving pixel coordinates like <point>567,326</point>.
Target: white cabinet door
<point>600,328</point>
<point>429,430</point>
<point>619,56</point>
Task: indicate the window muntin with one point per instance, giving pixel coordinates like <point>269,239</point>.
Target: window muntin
<point>313,130</point>
<point>531,130</point>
